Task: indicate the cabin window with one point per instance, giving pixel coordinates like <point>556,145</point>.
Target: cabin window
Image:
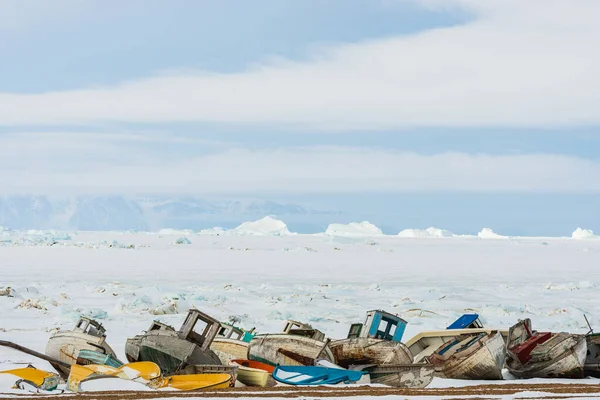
<point>392,330</point>
<point>82,324</point>
<point>200,326</point>
<point>382,325</point>
<point>354,330</point>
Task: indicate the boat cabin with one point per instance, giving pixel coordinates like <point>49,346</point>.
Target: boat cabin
<point>90,327</point>
<point>301,329</point>
<point>230,331</point>
<point>199,328</point>
<point>379,324</point>
<point>467,321</point>
<point>157,326</point>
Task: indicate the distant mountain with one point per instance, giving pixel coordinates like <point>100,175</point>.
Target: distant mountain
<point>146,213</point>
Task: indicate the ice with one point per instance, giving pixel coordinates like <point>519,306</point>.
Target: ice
<point>430,232</point>
<point>176,232</point>
<point>353,229</point>
<point>266,226</point>
<point>488,233</point>
<point>328,281</point>
<point>182,240</point>
<point>584,234</point>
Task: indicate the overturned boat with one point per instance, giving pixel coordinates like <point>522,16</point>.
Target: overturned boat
<point>376,341</point>
<point>412,376</point>
<point>174,350</point>
<point>299,344</point>
<point>231,343</point>
<point>471,356</point>
<point>65,346</point>
<point>532,354</point>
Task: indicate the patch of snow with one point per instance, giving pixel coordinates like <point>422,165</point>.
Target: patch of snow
<point>267,226</point>
<point>584,234</point>
<point>488,233</point>
<point>178,232</point>
<point>430,232</point>
<point>364,228</point>
<point>216,231</point>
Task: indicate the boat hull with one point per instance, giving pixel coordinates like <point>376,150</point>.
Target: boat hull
<point>65,346</point>
<point>281,349</point>
<point>229,349</point>
<point>170,352</point>
<point>254,373</point>
<point>361,351</point>
<point>565,359</point>
<point>412,376</point>
<point>483,360</point>
<point>196,369</point>
<point>303,375</point>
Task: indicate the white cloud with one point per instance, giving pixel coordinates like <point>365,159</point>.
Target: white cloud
<point>90,164</point>
<point>517,63</point>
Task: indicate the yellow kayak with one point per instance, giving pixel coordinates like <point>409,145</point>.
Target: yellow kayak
<point>40,379</point>
<point>198,381</point>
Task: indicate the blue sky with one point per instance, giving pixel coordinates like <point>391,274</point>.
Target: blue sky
<point>349,103</point>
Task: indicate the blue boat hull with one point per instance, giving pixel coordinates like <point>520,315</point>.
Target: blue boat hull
<point>298,375</point>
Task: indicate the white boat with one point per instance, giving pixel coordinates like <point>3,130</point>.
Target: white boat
<point>300,344</point>
<point>65,345</point>
<point>473,356</point>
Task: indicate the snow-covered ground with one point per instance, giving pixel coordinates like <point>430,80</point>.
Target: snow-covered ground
<point>328,280</point>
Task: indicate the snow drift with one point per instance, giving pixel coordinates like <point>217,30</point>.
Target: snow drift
<point>364,228</point>
<point>430,232</point>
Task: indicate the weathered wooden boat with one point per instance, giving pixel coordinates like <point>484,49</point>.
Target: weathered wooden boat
<point>231,343</point>
<point>414,376</point>
<point>592,360</point>
<point>532,354</point>
<point>376,341</point>
<point>65,346</point>
<point>299,344</point>
<point>254,373</point>
<point>303,375</point>
<point>198,369</point>
<point>425,343</point>
<point>38,378</point>
<point>471,356</point>
<point>174,350</point>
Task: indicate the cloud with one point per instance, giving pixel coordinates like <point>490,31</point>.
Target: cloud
<point>78,164</point>
<point>516,63</point>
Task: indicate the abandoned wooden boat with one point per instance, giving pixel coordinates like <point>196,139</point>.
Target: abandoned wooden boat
<point>174,350</point>
<point>532,354</point>
<point>426,343</point>
<point>299,344</point>
<point>38,378</point>
<point>415,376</point>
<point>231,342</point>
<point>66,345</point>
<point>592,360</point>
<point>377,341</point>
<point>254,373</point>
<point>302,375</point>
<point>471,356</point>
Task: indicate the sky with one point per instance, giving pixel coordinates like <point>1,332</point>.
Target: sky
<point>361,104</point>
